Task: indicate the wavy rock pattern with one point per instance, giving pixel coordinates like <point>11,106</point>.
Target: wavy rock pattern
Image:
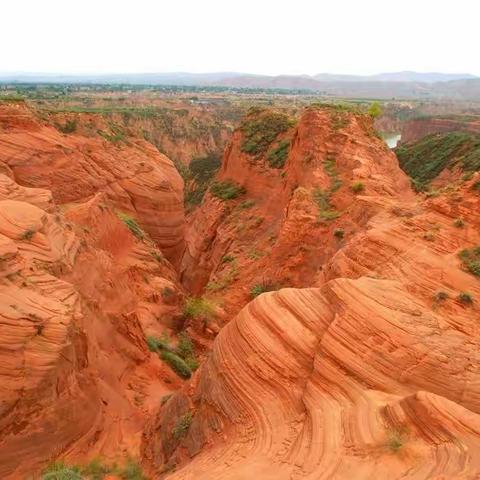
<point>77,293</point>
<point>369,375</point>
<point>135,177</point>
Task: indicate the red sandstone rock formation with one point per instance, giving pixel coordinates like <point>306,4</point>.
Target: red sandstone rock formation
<point>374,373</point>
<point>136,178</point>
<point>282,237</point>
<point>416,129</point>
<point>78,293</point>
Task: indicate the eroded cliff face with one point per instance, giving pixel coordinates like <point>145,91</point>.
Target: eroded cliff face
<point>78,293</point>
<point>281,230</point>
<point>135,177</point>
<point>371,374</point>
<point>416,129</point>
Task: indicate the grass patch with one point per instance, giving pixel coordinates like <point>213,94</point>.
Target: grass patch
<point>226,190</point>
<point>262,287</point>
<point>471,260</point>
<point>459,223</point>
<point>261,128</point>
<point>132,225</point>
<point>182,425</point>
<point>278,156</point>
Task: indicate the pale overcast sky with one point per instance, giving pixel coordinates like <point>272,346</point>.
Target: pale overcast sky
<point>254,36</point>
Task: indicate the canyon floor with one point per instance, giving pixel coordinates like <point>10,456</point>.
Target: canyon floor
<point>225,291</point>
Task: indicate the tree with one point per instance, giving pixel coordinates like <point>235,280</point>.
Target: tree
<point>375,110</point>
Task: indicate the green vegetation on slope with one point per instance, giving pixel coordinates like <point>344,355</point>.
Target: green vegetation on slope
<point>427,158</point>
<point>260,128</point>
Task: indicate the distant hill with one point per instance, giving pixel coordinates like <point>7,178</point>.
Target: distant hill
<point>384,85</point>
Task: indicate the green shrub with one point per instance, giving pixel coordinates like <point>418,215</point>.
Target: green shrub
<point>27,234</point>
<point>228,258</point>
<point>69,127</point>
<point>177,364</point>
<point>278,156</point>
<point>182,425</point>
<point>246,204</point>
<point>471,260</point>
<point>61,471</point>
<point>262,287</point>
<point>132,471</point>
<point>132,225</point>
<point>260,129</point>
<point>155,343</point>
<point>96,470</point>
<point>440,296</point>
<point>375,110</point>
<point>339,233</point>
<point>196,307</point>
<point>226,190</point>
<point>459,223</point>
<point>476,186</point>
<point>357,187</point>
<point>465,298</point>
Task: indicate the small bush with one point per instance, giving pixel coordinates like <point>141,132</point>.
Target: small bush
<point>476,186</point>
<point>182,425</point>
<point>459,223</point>
<point>132,471</point>
<point>196,307</point>
<point>167,292</point>
<point>69,127</point>
<point>132,225</point>
<point>246,204</point>
<point>228,258</point>
<point>96,470</point>
<point>176,363</point>
<point>465,298</point>
<point>262,287</point>
<point>375,110</point>
<point>156,344</point>
<point>440,296</point>
<point>61,471</point>
<point>339,233</point>
<point>357,187</point>
<point>471,260</point>
<point>226,190</point>
<point>278,156</point>
<point>395,443</point>
<point>28,234</point>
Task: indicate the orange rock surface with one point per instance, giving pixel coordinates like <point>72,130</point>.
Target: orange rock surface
<point>372,373</point>
<point>135,177</point>
<point>78,292</point>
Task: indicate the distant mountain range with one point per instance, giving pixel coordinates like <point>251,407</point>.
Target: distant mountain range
<point>384,85</point>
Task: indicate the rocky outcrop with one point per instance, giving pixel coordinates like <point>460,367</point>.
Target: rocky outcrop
<point>373,373</point>
<point>78,293</point>
<point>415,129</point>
<point>135,177</point>
<point>300,204</point>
